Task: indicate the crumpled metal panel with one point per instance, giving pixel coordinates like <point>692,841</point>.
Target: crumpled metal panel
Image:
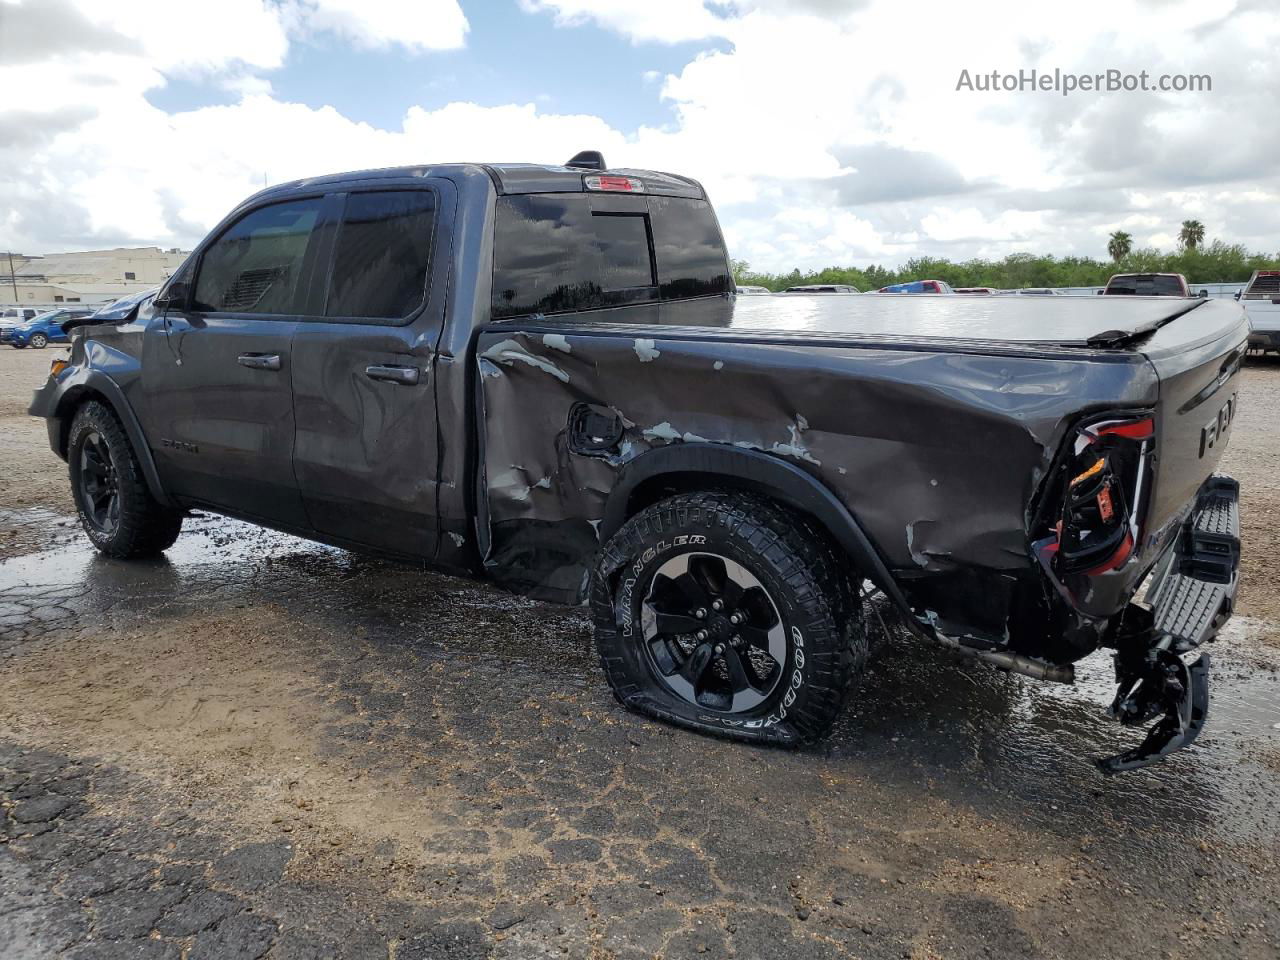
<point>937,453</point>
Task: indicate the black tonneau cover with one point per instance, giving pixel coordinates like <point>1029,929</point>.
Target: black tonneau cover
<point>1071,321</point>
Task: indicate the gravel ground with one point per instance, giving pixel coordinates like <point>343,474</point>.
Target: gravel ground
<point>259,746</point>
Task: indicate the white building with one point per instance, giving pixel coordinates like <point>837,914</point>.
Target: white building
<point>90,276</point>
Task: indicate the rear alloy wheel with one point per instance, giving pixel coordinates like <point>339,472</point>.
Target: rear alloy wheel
<point>712,633</point>
<point>728,614</point>
<point>117,510</point>
<point>39,341</point>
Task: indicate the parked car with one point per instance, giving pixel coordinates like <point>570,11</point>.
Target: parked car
<point>1261,300</point>
<point>976,291</point>
<point>1147,285</point>
<point>918,286</point>
<point>539,375</point>
<point>1031,292</point>
<point>14,317</point>
<point>43,329</point>
<point>822,288</point>
<point>752,291</point>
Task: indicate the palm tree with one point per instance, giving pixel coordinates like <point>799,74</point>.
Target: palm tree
<point>1192,234</point>
<point>1119,245</point>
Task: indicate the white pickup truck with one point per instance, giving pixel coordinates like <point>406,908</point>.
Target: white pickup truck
<point>1261,300</point>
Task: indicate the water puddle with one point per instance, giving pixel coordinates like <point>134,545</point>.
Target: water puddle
<point>977,735</point>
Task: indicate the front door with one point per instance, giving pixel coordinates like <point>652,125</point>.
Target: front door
<point>364,400</point>
<point>217,367</point>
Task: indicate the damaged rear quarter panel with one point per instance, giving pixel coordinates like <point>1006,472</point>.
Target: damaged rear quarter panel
<point>937,452</point>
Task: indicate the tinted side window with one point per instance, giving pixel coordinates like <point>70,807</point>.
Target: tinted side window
<point>689,249</point>
<point>553,253</point>
<point>254,266</point>
<point>383,250</point>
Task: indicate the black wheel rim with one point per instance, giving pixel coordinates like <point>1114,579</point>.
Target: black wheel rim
<point>712,633</point>
<point>99,486</point>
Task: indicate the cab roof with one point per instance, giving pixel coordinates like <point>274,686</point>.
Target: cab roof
<point>507,178</point>
<point>540,178</point>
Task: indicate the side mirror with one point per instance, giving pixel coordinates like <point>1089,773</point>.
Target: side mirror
<point>174,295</point>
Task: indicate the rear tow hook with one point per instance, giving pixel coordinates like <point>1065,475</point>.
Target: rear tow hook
<point>1158,683</point>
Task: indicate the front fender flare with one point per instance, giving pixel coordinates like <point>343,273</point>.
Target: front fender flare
<point>762,473</point>
<point>82,385</point>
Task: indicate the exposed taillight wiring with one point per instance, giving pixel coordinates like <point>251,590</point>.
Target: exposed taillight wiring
<point>1104,485</point>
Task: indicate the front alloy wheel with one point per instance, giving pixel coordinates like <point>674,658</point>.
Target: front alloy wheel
<point>99,485</point>
<point>39,341</point>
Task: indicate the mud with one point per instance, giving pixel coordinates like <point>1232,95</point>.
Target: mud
<point>259,746</point>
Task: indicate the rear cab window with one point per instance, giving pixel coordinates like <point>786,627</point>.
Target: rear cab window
<point>567,252</point>
<point>556,253</point>
<point>1265,286</point>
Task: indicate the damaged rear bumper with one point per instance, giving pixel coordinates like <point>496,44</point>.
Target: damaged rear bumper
<point>1190,597</point>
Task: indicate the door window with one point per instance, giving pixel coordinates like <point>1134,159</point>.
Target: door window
<point>383,252</point>
<point>256,265</point>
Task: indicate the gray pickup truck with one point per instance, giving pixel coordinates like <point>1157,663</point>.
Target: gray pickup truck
<point>541,375</point>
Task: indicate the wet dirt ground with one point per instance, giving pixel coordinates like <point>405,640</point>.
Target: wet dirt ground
<point>257,746</point>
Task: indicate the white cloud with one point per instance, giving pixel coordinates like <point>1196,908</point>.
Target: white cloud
<point>951,224</point>
<point>376,24</point>
<point>654,21</point>
<point>826,131</point>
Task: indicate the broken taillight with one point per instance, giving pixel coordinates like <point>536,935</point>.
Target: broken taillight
<point>1105,483</point>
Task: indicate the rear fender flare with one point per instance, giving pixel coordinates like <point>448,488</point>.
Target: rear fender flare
<point>761,473</point>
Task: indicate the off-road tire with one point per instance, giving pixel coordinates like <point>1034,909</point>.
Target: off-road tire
<point>143,527</point>
<point>811,593</point>
<point>39,341</point>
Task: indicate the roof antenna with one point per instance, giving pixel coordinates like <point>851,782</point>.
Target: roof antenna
<point>588,160</point>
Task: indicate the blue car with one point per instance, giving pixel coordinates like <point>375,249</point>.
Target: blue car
<point>44,329</point>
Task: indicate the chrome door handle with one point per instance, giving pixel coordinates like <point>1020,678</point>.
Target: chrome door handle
<point>260,361</point>
<point>405,375</point>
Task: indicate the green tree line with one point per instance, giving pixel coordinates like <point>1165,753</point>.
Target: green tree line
<point>1218,262</point>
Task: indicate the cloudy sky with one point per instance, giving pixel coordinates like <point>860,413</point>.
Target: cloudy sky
<point>827,131</point>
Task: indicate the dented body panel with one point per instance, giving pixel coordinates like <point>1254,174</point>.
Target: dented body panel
<point>938,453</point>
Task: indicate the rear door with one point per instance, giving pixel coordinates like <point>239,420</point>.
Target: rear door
<point>218,400</point>
<point>366,454</point>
